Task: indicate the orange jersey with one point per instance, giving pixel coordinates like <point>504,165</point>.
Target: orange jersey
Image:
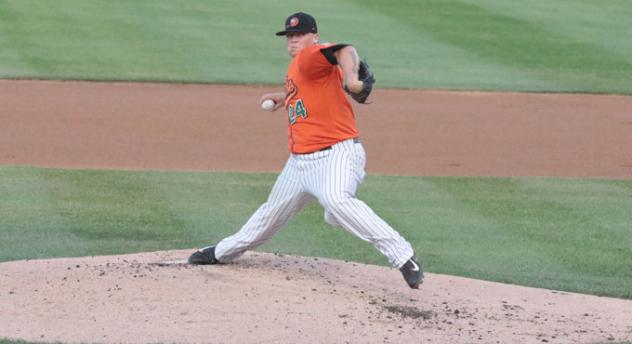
<point>319,114</point>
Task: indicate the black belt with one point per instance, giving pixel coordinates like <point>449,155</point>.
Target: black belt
<point>355,140</point>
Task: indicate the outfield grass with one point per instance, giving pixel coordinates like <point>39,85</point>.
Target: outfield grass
<point>562,234</point>
<point>567,46</point>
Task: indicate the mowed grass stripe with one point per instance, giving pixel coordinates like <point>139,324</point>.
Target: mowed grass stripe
<point>13,62</point>
<point>489,45</point>
<point>480,244</point>
<point>142,210</point>
<point>554,233</point>
<point>141,40</point>
<point>595,228</point>
<point>565,60</point>
<point>30,226</point>
<point>604,24</point>
<point>594,199</point>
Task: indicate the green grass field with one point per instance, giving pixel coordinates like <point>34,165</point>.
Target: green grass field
<point>565,46</point>
<point>561,234</point>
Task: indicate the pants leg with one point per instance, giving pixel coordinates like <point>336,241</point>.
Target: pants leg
<point>338,177</point>
<point>285,200</point>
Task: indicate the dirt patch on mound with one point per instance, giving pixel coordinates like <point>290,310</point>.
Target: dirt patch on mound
<point>267,298</point>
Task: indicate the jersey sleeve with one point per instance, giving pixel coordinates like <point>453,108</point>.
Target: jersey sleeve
<point>318,60</point>
<point>330,50</point>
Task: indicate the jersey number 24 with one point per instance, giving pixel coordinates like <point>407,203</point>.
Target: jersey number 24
<point>298,110</point>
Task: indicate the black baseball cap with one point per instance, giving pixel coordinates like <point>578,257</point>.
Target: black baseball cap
<point>299,22</point>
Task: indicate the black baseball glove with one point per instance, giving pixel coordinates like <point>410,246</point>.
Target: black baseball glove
<point>366,76</point>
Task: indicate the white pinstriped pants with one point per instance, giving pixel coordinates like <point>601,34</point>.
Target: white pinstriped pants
<point>331,177</point>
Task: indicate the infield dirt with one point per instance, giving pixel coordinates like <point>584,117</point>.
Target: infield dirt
<point>266,298</point>
<point>215,127</point>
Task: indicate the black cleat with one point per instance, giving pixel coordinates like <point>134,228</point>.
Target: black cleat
<point>204,256</point>
<point>413,274</point>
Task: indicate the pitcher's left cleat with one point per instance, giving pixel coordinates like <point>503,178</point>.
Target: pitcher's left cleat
<point>204,256</point>
<point>412,272</point>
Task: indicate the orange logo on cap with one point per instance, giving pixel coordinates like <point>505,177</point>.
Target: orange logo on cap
<point>293,22</point>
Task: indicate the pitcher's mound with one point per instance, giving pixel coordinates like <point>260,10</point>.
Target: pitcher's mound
<point>267,298</point>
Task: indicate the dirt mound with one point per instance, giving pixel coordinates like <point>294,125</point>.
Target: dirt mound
<point>267,298</point>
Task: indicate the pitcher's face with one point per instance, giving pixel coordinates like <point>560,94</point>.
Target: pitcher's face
<point>297,41</point>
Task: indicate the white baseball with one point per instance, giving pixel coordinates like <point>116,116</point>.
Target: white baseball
<point>267,105</point>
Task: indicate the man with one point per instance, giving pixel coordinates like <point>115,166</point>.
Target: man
<point>327,159</point>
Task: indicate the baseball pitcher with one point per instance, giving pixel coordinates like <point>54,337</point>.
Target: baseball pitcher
<point>327,159</point>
